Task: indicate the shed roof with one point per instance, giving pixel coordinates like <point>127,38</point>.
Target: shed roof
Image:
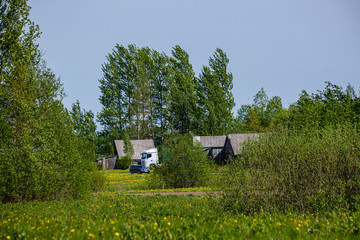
<point>210,141</point>
<point>236,140</point>
<point>138,145</point>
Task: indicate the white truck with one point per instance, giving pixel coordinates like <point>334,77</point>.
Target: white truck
<point>149,158</point>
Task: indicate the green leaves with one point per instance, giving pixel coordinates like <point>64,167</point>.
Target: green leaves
<point>186,164</point>
<point>41,158</point>
<point>182,101</point>
<point>329,107</point>
<point>215,96</point>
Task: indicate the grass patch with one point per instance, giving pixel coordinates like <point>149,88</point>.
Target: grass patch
<point>155,217</point>
<point>113,215</point>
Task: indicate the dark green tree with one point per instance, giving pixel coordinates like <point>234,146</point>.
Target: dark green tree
<point>160,96</point>
<point>124,162</point>
<point>128,147</point>
<point>116,87</point>
<point>142,101</point>
<point>40,157</point>
<point>215,96</point>
<point>329,107</point>
<point>183,108</point>
<point>186,166</point>
<point>85,128</point>
<point>263,114</point>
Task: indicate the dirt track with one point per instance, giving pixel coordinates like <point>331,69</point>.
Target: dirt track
<point>173,193</point>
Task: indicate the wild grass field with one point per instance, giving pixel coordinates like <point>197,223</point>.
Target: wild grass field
<point>115,213</point>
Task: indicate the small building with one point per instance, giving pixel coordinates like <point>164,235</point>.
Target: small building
<point>107,163</point>
<point>234,143</point>
<point>138,145</point>
<point>213,146</point>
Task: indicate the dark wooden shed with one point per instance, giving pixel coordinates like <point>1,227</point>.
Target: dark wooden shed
<point>213,146</point>
<point>234,143</point>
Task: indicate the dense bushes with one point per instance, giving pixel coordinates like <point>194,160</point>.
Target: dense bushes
<point>41,157</point>
<point>303,171</point>
<point>123,162</point>
<point>185,165</point>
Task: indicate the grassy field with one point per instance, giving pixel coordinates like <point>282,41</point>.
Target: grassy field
<point>114,214</point>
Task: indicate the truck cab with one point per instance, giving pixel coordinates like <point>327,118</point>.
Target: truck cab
<point>149,158</point>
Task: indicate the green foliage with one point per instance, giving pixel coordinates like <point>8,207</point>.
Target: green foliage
<point>123,162</point>
<point>158,217</point>
<point>183,109</point>
<point>187,165</point>
<point>305,171</point>
<point>134,93</point>
<point>128,147</point>
<point>84,127</point>
<point>40,155</point>
<point>330,107</point>
<point>263,114</point>
<point>215,96</point>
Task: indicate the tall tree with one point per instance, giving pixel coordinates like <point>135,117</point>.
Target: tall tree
<point>160,94</point>
<point>39,154</point>
<point>85,128</point>
<point>142,101</point>
<point>262,114</point>
<point>215,96</point>
<point>329,107</point>
<point>116,87</point>
<point>183,106</point>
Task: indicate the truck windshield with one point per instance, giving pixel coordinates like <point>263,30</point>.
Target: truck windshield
<point>143,156</point>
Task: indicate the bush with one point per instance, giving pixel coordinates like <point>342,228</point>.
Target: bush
<point>303,171</point>
<point>123,162</point>
<point>186,164</point>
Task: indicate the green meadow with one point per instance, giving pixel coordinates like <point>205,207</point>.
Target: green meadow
<point>117,214</point>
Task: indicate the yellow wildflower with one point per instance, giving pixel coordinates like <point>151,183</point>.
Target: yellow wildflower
<point>117,234</point>
<point>72,230</point>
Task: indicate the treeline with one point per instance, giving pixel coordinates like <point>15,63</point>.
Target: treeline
<point>41,156</point>
<point>333,106</point>
<point>307,160</point>
<point>148,94</point>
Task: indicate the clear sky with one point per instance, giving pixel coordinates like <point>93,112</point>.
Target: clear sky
<point>284,46</point>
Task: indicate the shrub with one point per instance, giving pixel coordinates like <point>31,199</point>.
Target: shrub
<point>123,162</point>
<point>303,171</point>
<point>186,165</point>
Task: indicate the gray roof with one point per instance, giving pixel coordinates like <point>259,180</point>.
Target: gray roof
<point>236,140</point>
<point>210,141</point>
<point>138,145</point>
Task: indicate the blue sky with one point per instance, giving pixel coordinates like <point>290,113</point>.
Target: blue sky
<point>284,46</point>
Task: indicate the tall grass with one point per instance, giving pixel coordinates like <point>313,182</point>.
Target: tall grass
<point>312,170</point>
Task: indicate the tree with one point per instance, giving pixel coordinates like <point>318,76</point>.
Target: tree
<point>186,166</point>
<point>142,101</point>
<point>183,107</point>
<point>116,87</point>
<point>128,147</point>
<point>263,113</point>
<point>161,94</point>
<point>39,154</point>
<point>85,128</point>
<point>329,107</point>
<point>124,162</point>
<point>215,96</point>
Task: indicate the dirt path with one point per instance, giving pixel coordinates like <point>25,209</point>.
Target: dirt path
<point>173,193</point>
